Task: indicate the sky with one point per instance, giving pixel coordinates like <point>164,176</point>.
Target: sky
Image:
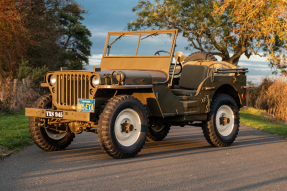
<point>113,15</point>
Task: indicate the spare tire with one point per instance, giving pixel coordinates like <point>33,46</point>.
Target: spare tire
<point>200,56</point>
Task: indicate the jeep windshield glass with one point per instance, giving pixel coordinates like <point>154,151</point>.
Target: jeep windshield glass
<point>153,44</point>
<point>123,46</point>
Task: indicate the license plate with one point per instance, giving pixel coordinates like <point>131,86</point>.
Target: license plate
<point>54,114</point>
<point>86,105</point>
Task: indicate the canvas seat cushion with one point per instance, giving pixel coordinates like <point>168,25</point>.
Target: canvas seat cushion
<point>192,76</point>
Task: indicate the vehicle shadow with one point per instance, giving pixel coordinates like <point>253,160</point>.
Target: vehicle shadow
<point>84,156</point>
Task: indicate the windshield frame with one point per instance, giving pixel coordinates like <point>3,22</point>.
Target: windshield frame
<point>140,33</point>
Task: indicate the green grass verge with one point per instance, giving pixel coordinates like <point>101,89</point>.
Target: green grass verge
<point>259,119</point>
<point>14,133</point>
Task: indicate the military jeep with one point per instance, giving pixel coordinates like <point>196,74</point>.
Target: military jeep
<point>141,89</point>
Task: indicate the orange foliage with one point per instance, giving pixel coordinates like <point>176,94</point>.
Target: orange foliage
<point>266,19</point>
<point>14,36</point>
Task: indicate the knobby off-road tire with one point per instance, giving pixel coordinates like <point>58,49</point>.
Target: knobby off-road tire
<point>200,56</point>
<point>46,139</point>
<point>119,112</point>
<point>220,134</point>
<point>157,133</point>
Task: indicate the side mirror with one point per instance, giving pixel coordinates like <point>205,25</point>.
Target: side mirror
<point>179,56</point>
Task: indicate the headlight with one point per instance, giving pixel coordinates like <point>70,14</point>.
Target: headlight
<point>53,80</point>
<point>95,81</point>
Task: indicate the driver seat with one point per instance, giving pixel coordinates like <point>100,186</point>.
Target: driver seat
<point>191,77</point>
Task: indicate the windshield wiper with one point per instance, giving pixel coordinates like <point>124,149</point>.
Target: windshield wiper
<point>149,35</point>
<point>117,38</point>
<point>109,46</point>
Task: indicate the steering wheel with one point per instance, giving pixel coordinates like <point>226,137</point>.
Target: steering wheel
<point>180,68</point>
<point>157,52</point>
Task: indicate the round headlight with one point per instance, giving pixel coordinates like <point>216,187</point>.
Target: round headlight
<point>95,81</point>
<point>53,80</point>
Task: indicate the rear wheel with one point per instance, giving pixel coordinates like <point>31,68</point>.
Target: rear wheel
<point>157,132</point>
<point>222,126</point>
<point>48,139</point>
<point>122,127</point>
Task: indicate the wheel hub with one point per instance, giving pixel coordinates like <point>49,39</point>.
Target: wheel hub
<point>224,120</point>
<point>127,127</point>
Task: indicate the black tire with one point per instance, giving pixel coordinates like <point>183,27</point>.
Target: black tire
<point>216,132</point>
<point>157,134</point>
<point>200,56</point>
<point>39,133</point>
<point>112,120</point>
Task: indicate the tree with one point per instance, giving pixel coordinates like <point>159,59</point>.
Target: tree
<point>42,21</point>
<point>60,39</point>
<point>14,36</point>
<point>267,20</point>
<point>198,22</point>
<point>43,32</point>
<point>75,36</point>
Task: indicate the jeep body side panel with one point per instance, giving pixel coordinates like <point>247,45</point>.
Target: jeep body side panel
<point>172,105</point>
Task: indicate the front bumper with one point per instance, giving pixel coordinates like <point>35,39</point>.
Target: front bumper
<point>67,115</point>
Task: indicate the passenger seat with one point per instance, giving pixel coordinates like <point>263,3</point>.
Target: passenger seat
<point>191,77</point>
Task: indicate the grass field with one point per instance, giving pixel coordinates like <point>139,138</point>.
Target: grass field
<point>14,133</point>
<point>259,119</point>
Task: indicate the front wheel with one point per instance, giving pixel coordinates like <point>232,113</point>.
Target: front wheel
<point>222,126</point>
<point>48,139</point>
<point>122,127</point>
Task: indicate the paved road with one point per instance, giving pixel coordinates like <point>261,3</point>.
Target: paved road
<point>183,161</point>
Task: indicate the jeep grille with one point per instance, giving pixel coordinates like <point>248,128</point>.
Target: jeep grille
<point>71,87</point>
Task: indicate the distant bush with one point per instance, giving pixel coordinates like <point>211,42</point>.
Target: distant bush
<point>35,74</point>
<point>270,95</point>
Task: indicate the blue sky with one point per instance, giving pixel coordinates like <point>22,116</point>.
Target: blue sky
<point>113,15</point>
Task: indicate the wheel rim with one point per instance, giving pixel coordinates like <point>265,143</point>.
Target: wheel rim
<point>157,128</point>
<point>224,120</point>
<point>55,135</point>
<point>127,118</point>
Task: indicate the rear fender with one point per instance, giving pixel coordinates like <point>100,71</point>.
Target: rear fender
<point>230,90</point>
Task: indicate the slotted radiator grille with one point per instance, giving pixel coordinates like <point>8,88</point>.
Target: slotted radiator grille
<point>70,87</point>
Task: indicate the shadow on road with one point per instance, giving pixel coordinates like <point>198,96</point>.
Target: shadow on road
<point>183,157</point>
<point>88,155</point>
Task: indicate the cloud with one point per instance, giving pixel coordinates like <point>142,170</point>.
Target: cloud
<point>95,59</point>
<point>99,33</point>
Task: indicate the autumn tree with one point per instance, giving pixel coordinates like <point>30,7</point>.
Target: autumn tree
<point>44,33</point>
<point>14,36</point>
<point>266,20</point>
<point>198,22</point>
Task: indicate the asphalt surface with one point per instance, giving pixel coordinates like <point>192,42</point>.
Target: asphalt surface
<point>183,161</point>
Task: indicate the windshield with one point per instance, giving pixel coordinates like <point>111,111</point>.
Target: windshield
<point>139,44</point>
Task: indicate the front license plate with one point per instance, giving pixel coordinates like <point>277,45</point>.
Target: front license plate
<point>86,105</point>
<point>55,114</point>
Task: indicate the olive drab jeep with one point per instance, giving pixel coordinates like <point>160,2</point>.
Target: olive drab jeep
<point>140,91</point>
